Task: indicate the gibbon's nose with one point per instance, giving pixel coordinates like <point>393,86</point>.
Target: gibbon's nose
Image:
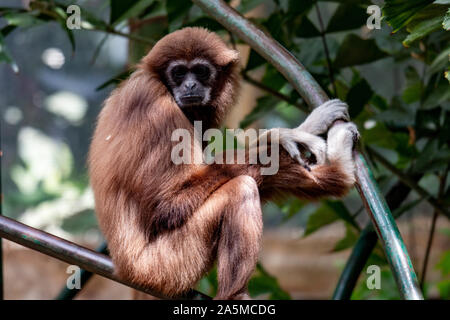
<point>190,85</point>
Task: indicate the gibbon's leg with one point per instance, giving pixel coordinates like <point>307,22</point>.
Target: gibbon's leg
<point>228,225</point>
<point>240,237</point>
<point>233,214</point>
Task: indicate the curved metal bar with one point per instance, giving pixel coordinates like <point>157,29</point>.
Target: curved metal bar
<point>365,245</point>
<point>71,253</point>
<point>69,294</point>
<point>388,232</point>
<point>314,95</point>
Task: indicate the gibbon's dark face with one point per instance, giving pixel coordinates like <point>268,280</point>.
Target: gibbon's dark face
<point>191,81</point>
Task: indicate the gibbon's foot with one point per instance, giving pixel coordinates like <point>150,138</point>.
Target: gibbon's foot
<point>304,138</point>
<point>348,134</point>
<point>355,133</point>
<point>323,117</point>
<point>342,138</point>
<point>239,296</point>
<point>242,296</point>
<point>298,143</point>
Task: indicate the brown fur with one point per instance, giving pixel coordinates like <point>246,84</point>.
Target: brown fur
<point>166,224</point>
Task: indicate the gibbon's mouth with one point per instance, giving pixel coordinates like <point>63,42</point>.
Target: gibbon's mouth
<point>191,100</point>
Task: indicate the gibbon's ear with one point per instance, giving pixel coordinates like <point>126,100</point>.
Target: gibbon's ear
<point>227,58</point>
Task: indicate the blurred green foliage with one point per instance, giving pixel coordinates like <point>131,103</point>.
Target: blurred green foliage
<point>395,80</point>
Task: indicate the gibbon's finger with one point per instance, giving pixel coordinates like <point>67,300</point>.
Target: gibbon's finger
<point>321,119</point>
<point>302,163</point>
<point>314,144</point>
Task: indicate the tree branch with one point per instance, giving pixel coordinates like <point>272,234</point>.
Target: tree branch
<point>442,183</point>
<point>325,47</point>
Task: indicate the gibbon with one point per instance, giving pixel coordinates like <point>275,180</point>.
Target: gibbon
<point>166,224</point>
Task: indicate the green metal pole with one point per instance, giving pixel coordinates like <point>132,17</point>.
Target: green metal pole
<point>387,231</point>
<point>69,294</point>
<point>71,253</point>
<point>314,95</point>
<point>365,245</point>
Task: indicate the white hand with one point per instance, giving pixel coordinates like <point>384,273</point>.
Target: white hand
<point>291,138</point>
<point>320,120</point>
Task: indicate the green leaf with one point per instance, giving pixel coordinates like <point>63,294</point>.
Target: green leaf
<point>347,17</point>
<point>350,238</point>
<point>439,96</point>
<point>247,5</point>
<point>433,158</point>
<point>275,26</point>
<point>444,264</point>
<point>446,22</point>
<point>254,60</point>
<point>273,78</point>
<point>123,10</point>
<point>177,12</point>
<point>38,15</point>
<point>69,33</point>
<point>5,57</point>
<point>422,29</point>
<point>291,207</point>
<point>305,28</point>
<point>427,121</point>
<point>358,96</point>
<point>321,217</point>
<point>413,89</point>
<point>120,10</point>
<point>399,13</point>
<point>22,19</point>
<point>342,89</point>
<point>379,102</point>
<point>341,210</point>
<point>262,283</point>
<point>263,106</point>
<point>444,289</point>
<point>7,30</point>
<point>296,8</point>
<point>355,51</point>
<point>397,116</point>
<point>440,62</point>
<point>445,231</point>
<point>379,136</point>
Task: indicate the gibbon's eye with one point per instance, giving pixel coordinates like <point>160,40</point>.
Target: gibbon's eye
<point>179,72</point>
<point>201,71</point>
